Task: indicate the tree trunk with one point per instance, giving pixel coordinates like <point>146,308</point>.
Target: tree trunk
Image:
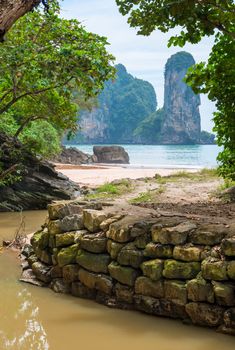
<point>11,10</point>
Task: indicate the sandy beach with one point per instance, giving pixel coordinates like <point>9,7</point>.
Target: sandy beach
<point>96,174</point>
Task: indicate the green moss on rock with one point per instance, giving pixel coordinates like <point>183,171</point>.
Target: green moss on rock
<point>67,255</point>
<point>180,270</point>
<point>123,274</point>
<point>93,262</point>
<point>153,269</point>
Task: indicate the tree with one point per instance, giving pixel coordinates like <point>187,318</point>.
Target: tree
<point>11,10</point>
<point>216,77</point>
<point>46,63</point>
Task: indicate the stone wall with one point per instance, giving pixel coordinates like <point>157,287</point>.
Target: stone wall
<point>166,265</point>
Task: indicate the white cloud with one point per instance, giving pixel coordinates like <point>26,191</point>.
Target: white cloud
<point>144,57</point>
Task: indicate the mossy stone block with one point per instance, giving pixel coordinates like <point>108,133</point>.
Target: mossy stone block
<point>180,270</point>
<point>228,246</point>
<point>176,291</point>
<point>123,274</point>
<point>213,269</point>
<point>158,250</point>
<point>99,282</point>
<point>231,269</point>
<point>153,269</point>
<point>130,256</point>
<point>145,286</point>
<point>93,262</point>
<point>187,253</point>
<point>67,255</point>
<point>200,290</point>
<point>64,239</point>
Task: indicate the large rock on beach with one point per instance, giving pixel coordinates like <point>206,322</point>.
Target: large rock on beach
<point>111,154</point>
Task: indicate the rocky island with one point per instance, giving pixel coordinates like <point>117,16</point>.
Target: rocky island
<point>127,110</point>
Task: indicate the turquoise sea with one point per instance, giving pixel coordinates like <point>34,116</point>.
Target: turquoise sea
<point>191,156</point>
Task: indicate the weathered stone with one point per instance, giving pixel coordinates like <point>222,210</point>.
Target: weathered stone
<point>27,250</point>
<point>228,246</point>
<point>81,291</point>
<point>123,274</point>
<point>213,269</point>
<point>45,257</point>
<point>224,293</point>
<point>79,234</point>
<point>54,227</point>
<point>200,290</point>
<point>92,219</point>
<point>182,270</point>
<point>71,223</point>
<point>229,318</point>
<point>140,228</point>
<point>40,240</point>
<point>93,262</point>
<point>124,293</point>
<point>41,271</point>
<point>53,210</point>
<point>205,314</point>
<point>152,269</point>
<point>114,248</point>
<point>67,255</point>
<point>157,250</point>
<point>104,226</point>
<point>231,270</point>
<point>130,256</point>
<point>60,286</point>
<point>28,276</point>
<point>64,239</point>
<point>24,265</point>
<point>208,234</point>
<point>51,242</point>
<point>141,241</point>
<point>172,235</point>
<point>55,252</point>
<point>176,291</point>
<point>94,243</point>
<point>70,273</point>
<point>100,282</point>
<point>56,272</point>
<point>187,253</point>
<point>145,286</point>
<point>120,231</point>
<point>69,209</point>
<point>146,304</point>
<point>32,259</point>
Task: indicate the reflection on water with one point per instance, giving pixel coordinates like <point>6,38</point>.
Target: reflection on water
<point>20,324</point>
<point>33,318</point>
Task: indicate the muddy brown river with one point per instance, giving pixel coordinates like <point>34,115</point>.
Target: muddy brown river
<point>33,318</point>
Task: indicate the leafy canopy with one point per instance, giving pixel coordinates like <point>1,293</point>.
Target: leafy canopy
<point>199,18</point>
<point>45,59</point>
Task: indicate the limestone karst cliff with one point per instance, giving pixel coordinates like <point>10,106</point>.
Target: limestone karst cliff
<point>181,122</point>
<point>126,111</point>
<point>122,105</point>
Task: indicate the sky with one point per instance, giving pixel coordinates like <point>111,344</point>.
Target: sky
<point>144,57</point>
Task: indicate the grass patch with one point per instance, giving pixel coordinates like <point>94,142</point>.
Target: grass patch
<point>112,189</point>
<point>227,184</point>
<point>149,196</point>
<point>202,175</point>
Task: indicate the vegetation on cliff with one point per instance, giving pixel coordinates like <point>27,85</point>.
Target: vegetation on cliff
<point>216,77</point>
<point>122,105</point>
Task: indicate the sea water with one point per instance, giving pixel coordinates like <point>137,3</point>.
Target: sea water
<point>164,156</point>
